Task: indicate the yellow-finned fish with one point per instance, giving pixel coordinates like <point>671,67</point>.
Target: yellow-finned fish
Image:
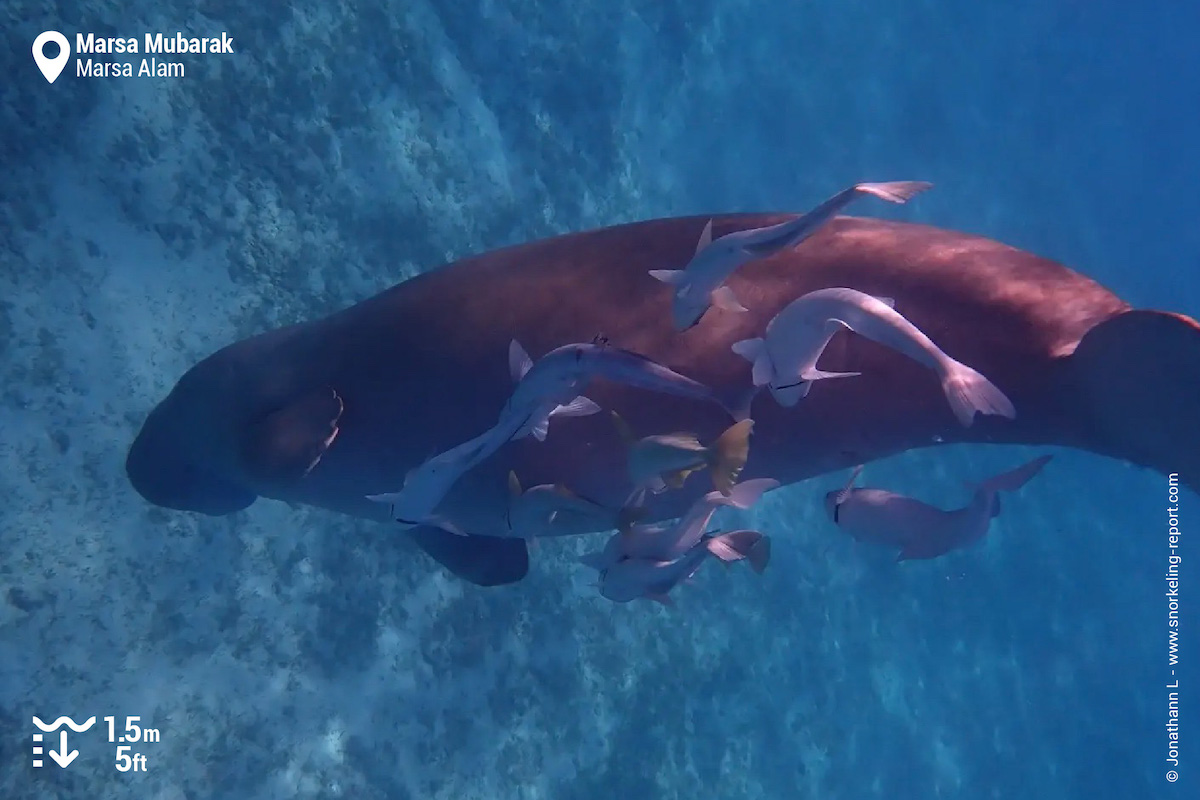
<point>666,460</point>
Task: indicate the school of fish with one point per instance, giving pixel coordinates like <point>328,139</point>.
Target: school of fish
<point>647,561</point>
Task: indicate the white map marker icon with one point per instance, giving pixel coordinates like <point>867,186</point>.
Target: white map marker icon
<point>51,67</point>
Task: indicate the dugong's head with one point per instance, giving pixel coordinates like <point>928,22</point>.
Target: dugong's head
<point>183,458</point>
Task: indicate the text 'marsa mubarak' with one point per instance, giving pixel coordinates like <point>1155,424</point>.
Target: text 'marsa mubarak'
<point>154,43</point>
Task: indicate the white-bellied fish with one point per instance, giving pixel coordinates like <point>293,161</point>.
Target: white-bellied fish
<point>701,283</point>
<point>916,529</point>
<point>554,510</point>
<point>552,385</point>
<point>664,461</point>
<point>667,541</point>
<point>634,578</point>
<point>785,359</point>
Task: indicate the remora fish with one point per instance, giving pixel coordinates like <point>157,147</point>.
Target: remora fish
<point>919,530</point>
<point>538,423</point>
<point>665,461</point>
<point>634,578</point>
<point>785,360</point>
<point>701,283</point>
<point>426,485</point>
<point>552,384</point>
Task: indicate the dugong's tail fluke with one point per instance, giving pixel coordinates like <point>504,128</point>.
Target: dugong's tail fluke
<point>1136,378</point>
<point>969,392</point>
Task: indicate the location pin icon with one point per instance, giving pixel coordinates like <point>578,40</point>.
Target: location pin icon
<point>51,67</point>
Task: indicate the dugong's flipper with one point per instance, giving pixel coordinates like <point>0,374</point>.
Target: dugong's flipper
<point>287,444</point>
<point>1135,380</point>
<point>482,560</point>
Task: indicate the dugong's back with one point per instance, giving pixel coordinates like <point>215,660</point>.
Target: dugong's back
<point>1008,313</point>
<point>575,282</point>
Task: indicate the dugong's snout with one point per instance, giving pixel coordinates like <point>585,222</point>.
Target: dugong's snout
<point>163,471</point>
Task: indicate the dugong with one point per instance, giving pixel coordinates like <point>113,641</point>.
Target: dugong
<point>329,411</point>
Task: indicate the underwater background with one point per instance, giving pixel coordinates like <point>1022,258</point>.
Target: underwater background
<point>287,652</point>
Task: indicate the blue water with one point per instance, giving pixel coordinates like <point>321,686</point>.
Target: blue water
<point>145,223</point>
